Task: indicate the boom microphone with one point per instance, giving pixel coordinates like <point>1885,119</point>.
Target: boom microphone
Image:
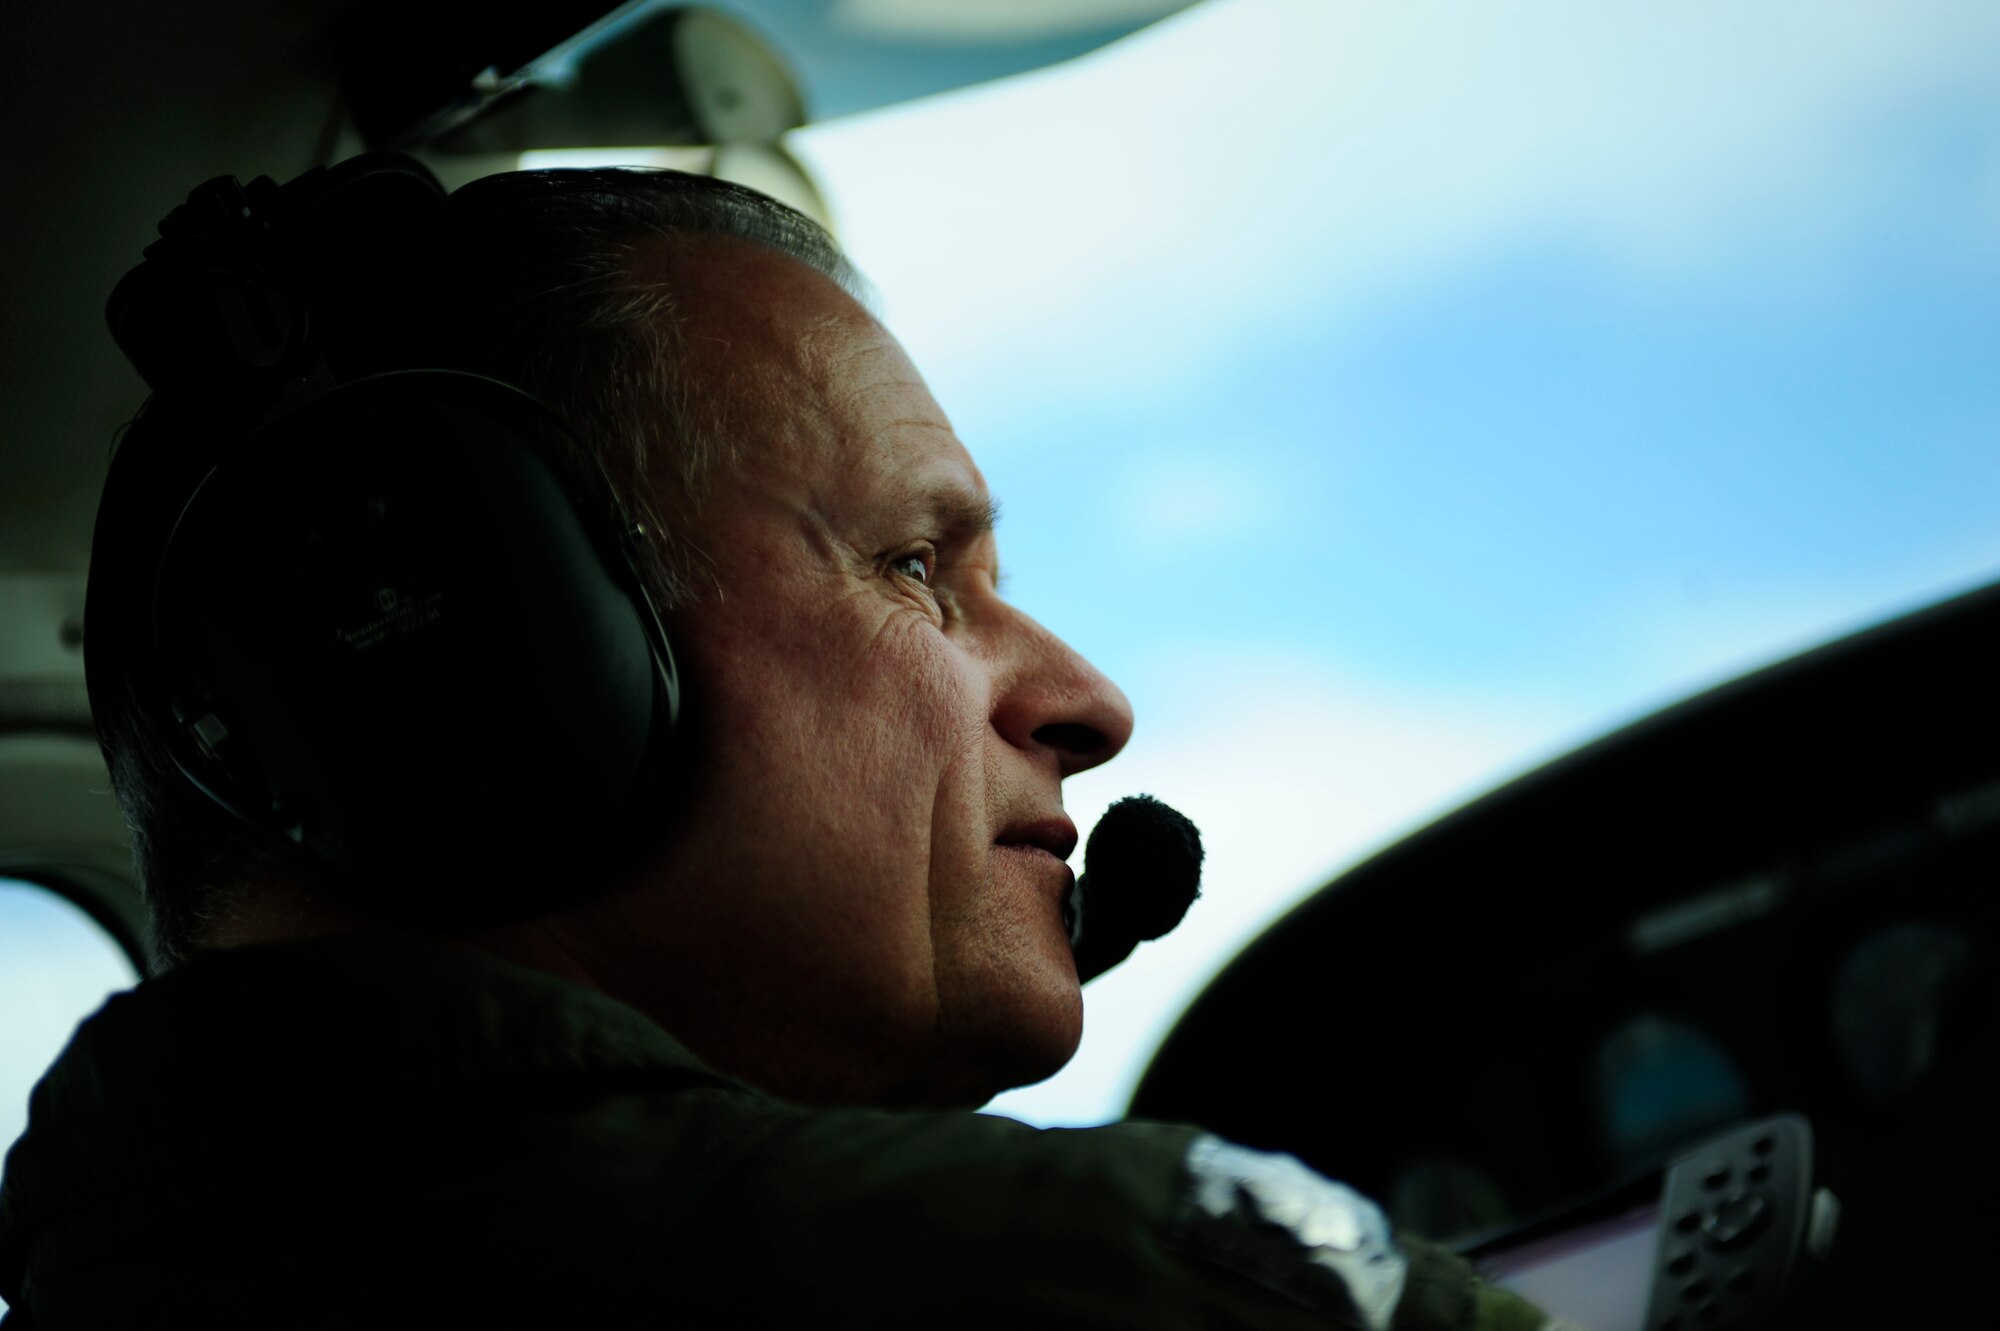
<point>1142,870</point>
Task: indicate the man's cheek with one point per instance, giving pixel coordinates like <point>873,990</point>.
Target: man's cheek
<point>920,684</point>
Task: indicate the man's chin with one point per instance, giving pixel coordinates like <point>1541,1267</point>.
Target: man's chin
<point>1002,1045</point>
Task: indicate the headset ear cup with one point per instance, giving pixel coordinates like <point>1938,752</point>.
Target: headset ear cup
<point>379,624</point>
<point>128,664</point>
<point>434,667</point>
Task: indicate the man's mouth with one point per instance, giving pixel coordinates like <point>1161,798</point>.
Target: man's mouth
<point>1056,835</point>
<point>1043,846</point>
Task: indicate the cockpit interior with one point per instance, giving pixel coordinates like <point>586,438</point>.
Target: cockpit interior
<point>1774,897</point>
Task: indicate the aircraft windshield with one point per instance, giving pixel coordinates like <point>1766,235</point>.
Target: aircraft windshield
<point>1391,397</point>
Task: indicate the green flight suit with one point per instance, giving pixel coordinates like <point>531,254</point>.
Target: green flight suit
<point>382,1132</point>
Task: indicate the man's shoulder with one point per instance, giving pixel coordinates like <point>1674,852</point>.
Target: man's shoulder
<point>251,1050</point>
<point>384,1015</point>
<point>375,1117</point>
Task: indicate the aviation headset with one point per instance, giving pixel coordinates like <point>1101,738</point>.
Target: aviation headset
<point>357,603</point>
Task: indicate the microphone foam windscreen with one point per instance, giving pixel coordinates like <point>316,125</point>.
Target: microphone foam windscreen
<point>1143,860</point>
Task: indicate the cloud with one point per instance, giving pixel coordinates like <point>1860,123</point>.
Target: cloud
<point>1252,163</point>
<point>1714,629</point>
<point>1181,499</point>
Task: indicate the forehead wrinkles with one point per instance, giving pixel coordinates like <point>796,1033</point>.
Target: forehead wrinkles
<point>767,367</point>
<point>801,423</point>
<point>757,328</point>
<point>849,361</point>
<point>858,401</point>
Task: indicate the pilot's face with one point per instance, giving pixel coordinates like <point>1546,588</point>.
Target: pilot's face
<point>864,900</point>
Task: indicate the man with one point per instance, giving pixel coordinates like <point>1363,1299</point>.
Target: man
<point>669,1093</point>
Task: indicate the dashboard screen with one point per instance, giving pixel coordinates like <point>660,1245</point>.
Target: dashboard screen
<point>1599,1275</point>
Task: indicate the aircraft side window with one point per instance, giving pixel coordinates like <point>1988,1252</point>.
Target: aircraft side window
<point>57,966</point>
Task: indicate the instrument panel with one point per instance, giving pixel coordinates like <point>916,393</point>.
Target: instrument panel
<point>1775,898</point>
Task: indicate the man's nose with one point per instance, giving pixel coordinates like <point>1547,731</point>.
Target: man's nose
<point>1049,699</point>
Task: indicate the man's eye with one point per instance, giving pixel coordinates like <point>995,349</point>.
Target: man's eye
<point>914,566</point>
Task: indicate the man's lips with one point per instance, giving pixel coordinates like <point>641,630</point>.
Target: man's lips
<point>1043,868</point>
<point>1056,835</point>
<point>1045,843</point>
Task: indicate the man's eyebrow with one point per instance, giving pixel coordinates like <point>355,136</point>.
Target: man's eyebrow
<point>966,517</point>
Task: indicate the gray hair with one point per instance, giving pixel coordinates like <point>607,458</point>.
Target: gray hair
<point>535,278</point>
<point>536,281</point>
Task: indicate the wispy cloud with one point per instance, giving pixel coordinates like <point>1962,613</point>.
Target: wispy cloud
<point>1252,161</point>
<point>1177,501</point>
